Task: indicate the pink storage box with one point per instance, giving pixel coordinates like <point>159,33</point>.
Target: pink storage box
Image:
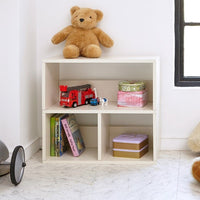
<point>132,99</point>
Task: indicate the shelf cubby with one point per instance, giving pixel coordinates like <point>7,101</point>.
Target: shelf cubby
<point>88,127</point>
<point>113,125</point>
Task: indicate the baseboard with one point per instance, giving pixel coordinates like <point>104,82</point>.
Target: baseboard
<point>32,148</point>
<point>174,144</point>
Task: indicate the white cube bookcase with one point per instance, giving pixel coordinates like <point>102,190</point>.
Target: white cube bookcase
<point>100,124</point>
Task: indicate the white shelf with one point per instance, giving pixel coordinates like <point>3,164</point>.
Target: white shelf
<point>102,123</point>
<point>110,108</point>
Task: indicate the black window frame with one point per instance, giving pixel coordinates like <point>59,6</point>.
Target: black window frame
<point>180,79</point>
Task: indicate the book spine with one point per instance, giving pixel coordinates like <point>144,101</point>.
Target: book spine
<point>64,139</point>
<point>57,136</point>
<point>52,136</point>
<point>70,137</point>
<point>60,139</point>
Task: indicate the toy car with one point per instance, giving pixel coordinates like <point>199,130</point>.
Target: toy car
<point>94,102</point>
<point>75,96</point>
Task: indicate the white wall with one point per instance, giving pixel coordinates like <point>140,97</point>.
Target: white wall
<point>18,120</point>
<point>139,28</point>
<point>9,76</point>
<point>28,73</point>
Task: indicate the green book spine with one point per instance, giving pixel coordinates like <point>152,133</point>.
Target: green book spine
<point>52,135</point>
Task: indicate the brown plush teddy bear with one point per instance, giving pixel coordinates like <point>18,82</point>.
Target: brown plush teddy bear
<point>82,36</point>
<point>196,169</point>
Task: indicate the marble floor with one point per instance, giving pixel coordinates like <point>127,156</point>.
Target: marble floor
<point>168,179</point>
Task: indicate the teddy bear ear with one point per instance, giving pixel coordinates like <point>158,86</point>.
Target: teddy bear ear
<point>99,15</point>
<point>74,9</point>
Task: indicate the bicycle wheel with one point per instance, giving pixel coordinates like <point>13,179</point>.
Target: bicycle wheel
<point>17,165</point>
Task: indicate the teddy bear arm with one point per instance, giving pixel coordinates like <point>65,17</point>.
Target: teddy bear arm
<point>62,35</point>
<point>103,38</point>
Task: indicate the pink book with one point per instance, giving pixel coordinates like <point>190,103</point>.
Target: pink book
<point>69,137</point>
<point>73,135</point>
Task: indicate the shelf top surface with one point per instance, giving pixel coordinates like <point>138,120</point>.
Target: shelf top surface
<point>103,59</point>
<point>110,108</point>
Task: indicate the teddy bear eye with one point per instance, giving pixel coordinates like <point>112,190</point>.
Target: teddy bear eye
<point>90,17</point>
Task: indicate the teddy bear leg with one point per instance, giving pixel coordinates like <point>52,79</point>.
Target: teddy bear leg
<point>71,51</point>
<point>91,51</point>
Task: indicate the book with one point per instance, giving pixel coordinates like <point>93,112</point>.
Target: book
<point>60,137</point>
<point>73,134</point>
<point>56,140</point>
<point>62,142</point>
<point>52,135</point>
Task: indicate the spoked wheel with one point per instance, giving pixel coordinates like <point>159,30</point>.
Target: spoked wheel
<point>17,165</point>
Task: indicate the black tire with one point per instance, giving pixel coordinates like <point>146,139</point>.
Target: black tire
<point>17,165</point>
<point>75,105</point>
<point>87,101</point>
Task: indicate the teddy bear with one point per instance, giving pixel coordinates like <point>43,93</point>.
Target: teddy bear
<point>83,38</point>
<point>194,139</point>
<point>196,168</point>
<point>194,145</point>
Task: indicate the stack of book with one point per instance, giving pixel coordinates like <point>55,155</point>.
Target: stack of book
<point>130,145</point>
<point>64,132</point>
<point>132,94</point>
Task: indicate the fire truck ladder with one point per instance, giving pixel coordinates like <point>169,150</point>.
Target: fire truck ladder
<point>81,87</point>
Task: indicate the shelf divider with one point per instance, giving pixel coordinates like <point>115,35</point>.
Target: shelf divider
<point>103,134</point>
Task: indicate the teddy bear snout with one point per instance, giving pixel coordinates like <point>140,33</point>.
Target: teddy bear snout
<point>81,19</point>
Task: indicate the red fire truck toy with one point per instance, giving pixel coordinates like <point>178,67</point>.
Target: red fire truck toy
<point>76,96</point>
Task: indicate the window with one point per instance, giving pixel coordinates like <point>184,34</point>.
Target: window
<point>187,42</point>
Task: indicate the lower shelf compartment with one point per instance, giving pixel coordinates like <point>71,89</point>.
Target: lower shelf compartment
<point>98,131</point>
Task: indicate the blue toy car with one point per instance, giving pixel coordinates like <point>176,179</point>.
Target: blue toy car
<point>94,102</point>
